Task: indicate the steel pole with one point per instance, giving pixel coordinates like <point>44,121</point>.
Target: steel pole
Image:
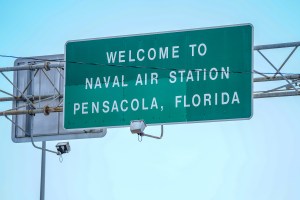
<point>46,110</point>
<point>43,170</point>
<point>32,67</point>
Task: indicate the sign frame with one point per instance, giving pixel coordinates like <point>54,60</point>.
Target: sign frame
<point>32,124</point>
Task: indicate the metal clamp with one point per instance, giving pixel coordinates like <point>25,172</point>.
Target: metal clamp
<point>46,110</point>
<point>46,65</point>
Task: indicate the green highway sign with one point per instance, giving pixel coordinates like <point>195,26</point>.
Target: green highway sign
<point>170,77</point>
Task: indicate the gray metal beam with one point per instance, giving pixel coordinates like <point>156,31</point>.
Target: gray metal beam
<point>45,110</point>
<point>31,98</point>
<point>43,171</point>
<point>48,110</point>
<point>277,78</point>
<point>276,46</point>
<point>45,65</point>
<point>276,94</point>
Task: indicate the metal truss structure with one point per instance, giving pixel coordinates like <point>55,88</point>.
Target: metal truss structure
<point>31,100</point>
<point>38,91</point>
<point>286,83</point>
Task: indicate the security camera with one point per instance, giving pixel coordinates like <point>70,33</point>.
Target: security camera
<point>137,126</point>
<point>63,147</point>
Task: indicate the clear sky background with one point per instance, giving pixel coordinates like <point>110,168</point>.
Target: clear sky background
<point>252,159</point>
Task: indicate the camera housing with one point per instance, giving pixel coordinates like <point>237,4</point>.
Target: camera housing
<point>137,126</point>
<point>63,147</point>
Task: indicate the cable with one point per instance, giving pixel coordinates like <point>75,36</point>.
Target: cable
<point>31,137</point>
<point>130,66</point>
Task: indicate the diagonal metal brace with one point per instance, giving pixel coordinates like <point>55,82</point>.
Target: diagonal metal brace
<point>277,70</point>
<point>152,136</point>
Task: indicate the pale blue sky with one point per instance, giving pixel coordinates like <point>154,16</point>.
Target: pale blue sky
<point>253,159</point>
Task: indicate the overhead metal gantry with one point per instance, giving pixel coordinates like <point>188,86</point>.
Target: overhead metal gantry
<point>283,84</point>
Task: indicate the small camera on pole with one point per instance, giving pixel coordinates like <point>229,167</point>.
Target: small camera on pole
<point>63,147</point>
